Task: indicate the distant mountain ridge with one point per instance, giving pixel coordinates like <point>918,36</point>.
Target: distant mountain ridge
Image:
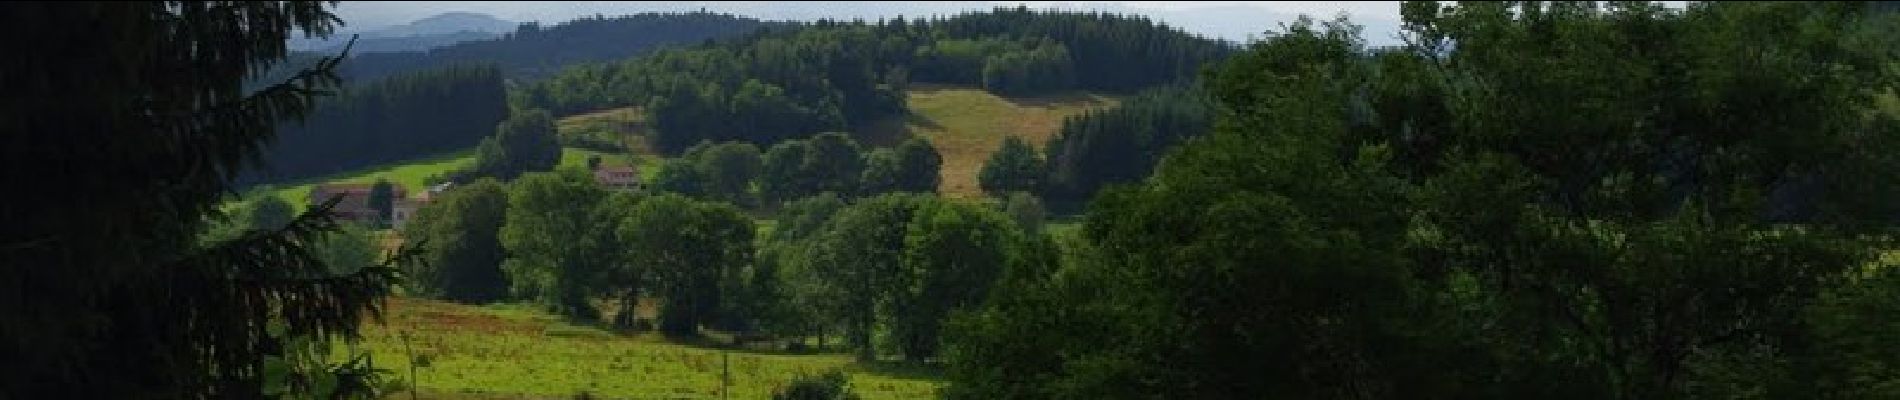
<point>1233,22</point>
<point>420,35</point>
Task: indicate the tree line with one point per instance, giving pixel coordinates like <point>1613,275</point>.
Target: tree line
<point>399,118</point>
<point>834,265</point>
<point>534,51</point>
<point>737,173</point>
<point>1099,148</point>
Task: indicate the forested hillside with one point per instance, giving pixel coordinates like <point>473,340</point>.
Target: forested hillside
<point>831,76</point>
<point>399,118</point>
<point>1527,200</point>
<point>533,51</point>
<point>1122,144</point>
<point>403,105</point>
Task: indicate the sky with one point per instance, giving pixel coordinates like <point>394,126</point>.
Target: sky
<point>1224,19</point>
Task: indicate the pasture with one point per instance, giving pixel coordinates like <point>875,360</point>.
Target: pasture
<point>515,351</point>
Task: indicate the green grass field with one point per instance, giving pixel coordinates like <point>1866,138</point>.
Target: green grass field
<point>967,124</point>
<point>514,351</point>
<point>408,174</point>
<point>647,165</point>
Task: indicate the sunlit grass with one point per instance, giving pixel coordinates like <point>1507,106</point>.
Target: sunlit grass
<point>516,351</point>
<point>409,175</point>
<point>967,124</point>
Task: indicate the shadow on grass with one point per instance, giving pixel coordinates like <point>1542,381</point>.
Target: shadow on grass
<point>891,131</point>
<point>1052,100</point>
<point>922,121</point>
<point>722,342</point>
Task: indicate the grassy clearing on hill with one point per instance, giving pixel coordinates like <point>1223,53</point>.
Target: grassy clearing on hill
<point>647,165</point>
<point>967,124</point>
<point>626,125</point>
<point>514,351</point>
<point>408,174</point>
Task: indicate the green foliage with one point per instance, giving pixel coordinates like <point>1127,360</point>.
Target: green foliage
<point>1121,144</point>
<point>526,143</point>
<point>555,255</point>
<point>267,212</point>
<point>729,169</point>
<point>919,166</point>
<point>696,253</point>
<point>1045,68</point>
<point>895,263</point>
<point>536,53</point>
<point>781,178</point>
<point>490,160</point>
<point>1547,200</point>
<point>833,164</point>
<point>952,254</point>
<point>135,115</point>
<point>1026,210</point>
<point>1014,167</point>
<point>833,385</point>
<point>1110,52</point>
<point>861,254</point>
<point>805,218</point>
<point>680,176</point>
<point>381,199</point>
<point>350,248</point>
<point>880,172</point>
<point>829,76</point>
<point>385,121</point>
<point>464,254</point>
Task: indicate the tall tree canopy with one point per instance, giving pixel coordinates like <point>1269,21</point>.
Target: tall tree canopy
<point>1121,144</point>
<point>555,253</point>
<point>1013,167</point>
<point>1530,199</point>
<point>462,227</point>
<point>133,134</point>
<point>695,251</point>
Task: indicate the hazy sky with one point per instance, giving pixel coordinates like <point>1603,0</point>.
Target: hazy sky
<point>1228,19</point>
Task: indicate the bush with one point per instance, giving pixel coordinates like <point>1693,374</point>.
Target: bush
<point>832,385</point>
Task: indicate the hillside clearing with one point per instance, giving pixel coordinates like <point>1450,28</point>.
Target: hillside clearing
<point>408,174</point>
<point>411,174</point>
<point>626,126</point>
<point>967,124</point>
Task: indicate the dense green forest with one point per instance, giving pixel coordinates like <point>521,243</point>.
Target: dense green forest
<point>1120,145</point>
<point>403,105</point>
<point>833,76</point>
<point>1543,200</point>
<point>398,118</point>
<point>534,51</point>
<point>1526,200</point>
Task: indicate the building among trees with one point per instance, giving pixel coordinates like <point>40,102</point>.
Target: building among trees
<point>618,177</point>
<point>358,207</point>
